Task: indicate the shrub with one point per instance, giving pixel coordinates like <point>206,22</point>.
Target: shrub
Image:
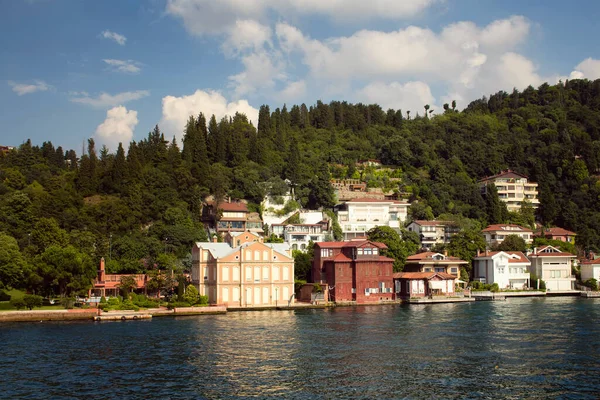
<point>102,299</point>
<point>592,284</point>
<point>191,295</point>
<point>18,303</point>
<point>32,300</point>
<point>203,300</point>
<point>494,287</point>
<point>317,288</point>
<point>68,302</point>
<point>178,304</point>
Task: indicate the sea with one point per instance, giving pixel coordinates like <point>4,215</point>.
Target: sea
<point>527,348</point>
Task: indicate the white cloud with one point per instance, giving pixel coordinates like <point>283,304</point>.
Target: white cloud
<point>27,88</point>
<point>118,38</point>
<point>105,100</point>
<point>117,127</point>
<point>588,68</point>
<point>261,71</point>
<point>410,96</point>
<point>202,17</point>
<point>292,92</point>
<point>177,110</point>
<point>246,34</point>
<point>125,66</point>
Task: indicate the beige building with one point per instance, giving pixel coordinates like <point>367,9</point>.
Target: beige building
<point>434,232</point>
<point>251,275</point>
<point>513,188</point>
<point>357,216</point>
<point>553,266</point>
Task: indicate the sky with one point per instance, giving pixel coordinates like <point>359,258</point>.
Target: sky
<point>111,70</point>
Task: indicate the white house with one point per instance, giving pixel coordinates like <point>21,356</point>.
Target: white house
<point>357,216</point>
<point>552,266</point>
<point>495,234</point>
<point>509,269</point>
<point>590,269</point>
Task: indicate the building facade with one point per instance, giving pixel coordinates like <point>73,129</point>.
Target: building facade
<point>553,267</point>
<point>110,284</point>
<point>433,232</point>
<point>252,275</point>
<point>590,269</point>
<point>495,234</point>
<point>513,188</point>
<point>354,271</point>
<point>357,216</point>
<point>556,234</point>
<point>423,284</point>
<point>434,262</point>
<point>509,269</point>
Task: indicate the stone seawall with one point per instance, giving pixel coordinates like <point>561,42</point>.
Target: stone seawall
<point>47,315</point>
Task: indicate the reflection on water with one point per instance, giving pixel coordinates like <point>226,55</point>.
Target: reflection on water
<point>522,348</point>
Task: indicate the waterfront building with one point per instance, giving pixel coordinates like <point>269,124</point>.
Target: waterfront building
<point>434,262</point>
<point>553,267</point>
<point>354,271</point>
<point>509,269</point>
<point>433,232</point>
<point>556,234</point>
<point>423,284</point>
<point>513,188</point>
<point>313,226</point>
<point>109,284</point>
<point>253,274</point>
<point>231,216</point>
<point>590,269</point>
<point>357,216</point>
<point>495,234</point>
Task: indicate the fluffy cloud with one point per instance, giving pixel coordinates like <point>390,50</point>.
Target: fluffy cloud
<point>105,100</point>
<point>411,96</point>
<point>246,34</point>
<point>292,92</point>
<point>177,110</point>
<point>120,39</point>
<point>202,17</point>
<point>27,88</point>
<point>588,68</point>
<point>117,127</point>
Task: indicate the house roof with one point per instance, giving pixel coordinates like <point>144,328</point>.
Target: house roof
<point>374,200</point>
<point>591,262</point>
<point>521,257</point>
<point>234,206</point>
<point>550,251</point>
<point>432,223</point>
<point>556,231</point>
<point>506,228</point>
<point>218,250</point>
<point>428,256</point>
<point>504,174</point>
<point>422,275</point>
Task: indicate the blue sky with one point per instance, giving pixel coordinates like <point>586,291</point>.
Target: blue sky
<point>111,70</point>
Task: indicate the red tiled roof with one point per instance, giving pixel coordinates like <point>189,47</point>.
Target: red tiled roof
<point>428,256</point>
<point>341,258</point>
<point>505,174</point>
<point>339,245</point>
<point>501,227</point>
<point>591,262</point>
<point>555,232</point>
<point>237,206</point>
<point>540,253</point>
<point>432,223</point>
<point>422,275</point>
<point>373,200</point>
<point>521,259</point>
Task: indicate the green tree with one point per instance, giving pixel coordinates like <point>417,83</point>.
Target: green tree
<point>465,245</point>
<point>512,243</point>
<point>32,300</point>
<point>127,284</point>
<point>496,209</point>
<point>191,295</point>
<point>12,262</point>
<point>64,271</point>
<point>397,248</point>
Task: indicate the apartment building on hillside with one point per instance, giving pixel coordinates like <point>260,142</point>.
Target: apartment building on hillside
<point>433,232</point>
<point>512,188</point>
<point>358,216</point>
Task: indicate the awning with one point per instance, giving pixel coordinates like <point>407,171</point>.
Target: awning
<point>437,285</point>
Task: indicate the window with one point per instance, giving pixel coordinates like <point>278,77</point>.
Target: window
<point>454,270</point>
<point>286,273</point>
<point>440,269</point>
<point>256,274</point>
<point>427,269</point>
<point>236,274</point>
<point>248,273</point>
<point>326,252</point>
<point>225,274</point>
<point>265,274</point>
<point>375,251</point>
<point>360,252</point>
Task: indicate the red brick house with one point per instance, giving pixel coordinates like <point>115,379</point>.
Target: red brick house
<point>354,271</point>
<point>110,284</point>
<point>423,284</point>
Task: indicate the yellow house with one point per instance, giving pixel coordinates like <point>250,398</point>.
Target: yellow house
<point>251,275</point>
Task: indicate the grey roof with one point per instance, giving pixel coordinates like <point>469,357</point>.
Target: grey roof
<point>281,248</point>
<point>218,250</point>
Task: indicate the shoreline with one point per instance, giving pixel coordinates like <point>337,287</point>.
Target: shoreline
<point>94,314</point>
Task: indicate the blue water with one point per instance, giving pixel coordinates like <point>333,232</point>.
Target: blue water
<point>522,348</point>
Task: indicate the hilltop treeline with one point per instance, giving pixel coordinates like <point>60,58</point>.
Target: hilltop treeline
<point>140,208</point>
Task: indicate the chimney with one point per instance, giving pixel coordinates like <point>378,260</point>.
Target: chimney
<point>101,272</point>
<point>487,252</point>
<point>535,250</point>
<point>478,253</point>
<point>215,238</point>
<point>445,253</point>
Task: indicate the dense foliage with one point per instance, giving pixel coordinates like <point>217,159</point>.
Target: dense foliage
<point>60,212</point>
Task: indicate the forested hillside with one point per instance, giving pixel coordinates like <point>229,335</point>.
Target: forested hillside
<point>140,208</point>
